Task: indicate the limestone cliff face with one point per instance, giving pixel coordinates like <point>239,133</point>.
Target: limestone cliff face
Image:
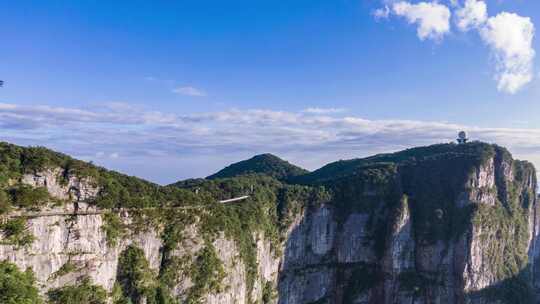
<point>437,231</point>
<point>80,241</point>
<point>458,228</point>
<point>74,235</point>
<point>75,188</point>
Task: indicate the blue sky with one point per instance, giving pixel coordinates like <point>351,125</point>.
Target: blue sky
<point>173,89</point>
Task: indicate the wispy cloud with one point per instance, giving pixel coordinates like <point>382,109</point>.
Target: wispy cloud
<point>189,91</point>
<point>381,13</point>
<point>316,110</point>
<point>101,154</point>
<point>133,132</point>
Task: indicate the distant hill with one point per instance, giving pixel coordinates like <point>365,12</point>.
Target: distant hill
<point>267,164</point>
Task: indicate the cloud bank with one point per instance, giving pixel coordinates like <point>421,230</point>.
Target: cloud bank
<point>169,143</point>
<point>509,36</point>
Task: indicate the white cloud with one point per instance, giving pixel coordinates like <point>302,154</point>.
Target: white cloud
<point>167,147</point>
<point>153,135</point>
<point>382,13</point>
<point>510,38</point>
<point>189,91</point>
<point>324,110</point>
<point>432,18</point>
<point>472,15</point>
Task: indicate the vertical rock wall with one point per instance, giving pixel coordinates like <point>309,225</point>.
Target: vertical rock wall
<point>81,242</point>
<point>450,241</point>
<point>450,230</point>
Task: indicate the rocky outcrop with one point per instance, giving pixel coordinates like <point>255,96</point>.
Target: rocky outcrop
<point>78,241</point>
<point>448,233</point>
<point>62,185</point>
<point>70,243</point>
<point>445,227</point>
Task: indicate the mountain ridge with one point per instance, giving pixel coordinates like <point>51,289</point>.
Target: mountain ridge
<point>392,228</point>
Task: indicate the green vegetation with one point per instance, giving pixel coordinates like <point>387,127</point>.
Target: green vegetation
<point>428,180</point>
<point>207,274</point>
<point>5,203</point>
<point>505,236</point>
<point>137,282</point>
<point>269,293</point>
<point>515,290</point>
<point>271,204</point>
<point>135,277</point>
<point>17,287</point>
<point>293,199</point>
<point>362,277</point>
<point>173,269</point>
<point>266,164</point>
<point>28,197</point>
<point>240,222</point>
<point>122,191</point>
<point>343,168</point>
<point>83,292</point>
<point>68,267</point>
<point>113,227</point>
<point>15,232</point>
<point>117,190</point>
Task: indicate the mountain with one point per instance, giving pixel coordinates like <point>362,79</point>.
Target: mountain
<point>444,223</point>
<point>472,151</point>
<point>267,164</point>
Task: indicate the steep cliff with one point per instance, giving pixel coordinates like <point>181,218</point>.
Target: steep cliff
<point>439,224</point>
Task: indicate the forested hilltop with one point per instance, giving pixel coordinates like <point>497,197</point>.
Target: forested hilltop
<point>445,223</point>
<point>266,164</point>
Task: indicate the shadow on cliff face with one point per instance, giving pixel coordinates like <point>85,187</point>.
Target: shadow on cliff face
<point>307,271</point>
<point>333,251</point>
<point>515,290</point>
<point>430,228</point>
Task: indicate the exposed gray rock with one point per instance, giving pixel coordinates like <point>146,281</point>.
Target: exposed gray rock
<point>328,255</point>
<point>61,185</point>
<point>355,242</point>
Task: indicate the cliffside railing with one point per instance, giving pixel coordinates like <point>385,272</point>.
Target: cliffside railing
<point>121,210</point>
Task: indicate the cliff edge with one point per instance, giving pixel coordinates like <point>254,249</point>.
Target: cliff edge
<point>439,224</point>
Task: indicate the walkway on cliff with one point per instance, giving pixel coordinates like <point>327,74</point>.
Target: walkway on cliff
<point>121,210</point>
